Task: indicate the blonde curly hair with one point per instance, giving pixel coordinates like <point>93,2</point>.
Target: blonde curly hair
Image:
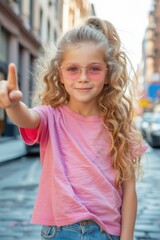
<point>116,99</point>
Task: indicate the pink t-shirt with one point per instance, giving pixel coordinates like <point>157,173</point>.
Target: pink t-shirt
<point>77,178</point>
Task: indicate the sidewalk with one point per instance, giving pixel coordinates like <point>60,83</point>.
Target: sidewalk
<point>11,148</point>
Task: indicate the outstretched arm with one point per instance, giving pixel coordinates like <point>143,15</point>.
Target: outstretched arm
<point>10,100</point>
<point>129,209</point>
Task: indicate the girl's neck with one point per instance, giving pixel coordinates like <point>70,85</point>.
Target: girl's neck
<point>84,109</point>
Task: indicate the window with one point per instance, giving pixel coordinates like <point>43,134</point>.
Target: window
<point>4,45</point>
<point>55,36</point>
<point>31,14</point>
<point>40,23</point>
<point>20,6</point>
<point>48,30</point>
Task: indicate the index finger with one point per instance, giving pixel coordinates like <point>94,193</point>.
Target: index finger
<point>12,77</point>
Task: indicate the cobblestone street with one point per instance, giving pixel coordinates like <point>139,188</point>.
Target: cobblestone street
<point>148,218</point>
<point>18,186</point>
<point>19,180</point>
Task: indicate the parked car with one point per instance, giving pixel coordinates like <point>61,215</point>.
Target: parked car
<point>138,121</point>
<point>153,131</point>
<point>146,120</point>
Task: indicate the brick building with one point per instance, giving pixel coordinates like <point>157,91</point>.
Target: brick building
<point>149,71</point>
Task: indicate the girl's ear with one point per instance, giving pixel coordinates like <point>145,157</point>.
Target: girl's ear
<point>60,75</point>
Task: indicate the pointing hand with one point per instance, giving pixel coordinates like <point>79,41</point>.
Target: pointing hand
<point>9,91</point>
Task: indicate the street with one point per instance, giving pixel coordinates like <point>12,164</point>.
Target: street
<point>148,189</point>
<point>18,186</point>
<point>19,180</point>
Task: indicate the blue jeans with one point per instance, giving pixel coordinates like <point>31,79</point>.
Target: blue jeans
<point>84,230</point>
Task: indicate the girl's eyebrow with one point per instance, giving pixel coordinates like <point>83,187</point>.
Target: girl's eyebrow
<point>87,64</point>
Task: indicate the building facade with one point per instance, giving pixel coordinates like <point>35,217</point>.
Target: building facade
<point>74,12</point>
<point>24,26</point>
<point>150,64</point>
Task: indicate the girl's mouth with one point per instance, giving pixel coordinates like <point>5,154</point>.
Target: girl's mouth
<point>83,89</point>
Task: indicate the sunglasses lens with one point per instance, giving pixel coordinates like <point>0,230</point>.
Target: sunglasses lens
<point>73,71</point>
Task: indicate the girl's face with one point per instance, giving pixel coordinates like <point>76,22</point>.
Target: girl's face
<point>83,72</point>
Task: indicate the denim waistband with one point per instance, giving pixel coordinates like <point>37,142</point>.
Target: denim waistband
<point>81,228</point>
<point>84,225</point>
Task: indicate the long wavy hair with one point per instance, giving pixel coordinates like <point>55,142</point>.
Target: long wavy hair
<point>116,99</point>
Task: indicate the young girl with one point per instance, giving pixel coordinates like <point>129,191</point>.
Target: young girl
<point>89,146</point>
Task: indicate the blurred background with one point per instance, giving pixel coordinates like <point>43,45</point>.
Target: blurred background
<point>27,25</point>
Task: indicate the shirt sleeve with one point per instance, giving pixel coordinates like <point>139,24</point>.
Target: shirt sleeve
<point>40,134</point>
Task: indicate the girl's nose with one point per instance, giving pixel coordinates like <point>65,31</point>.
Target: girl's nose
<point>83,75</point>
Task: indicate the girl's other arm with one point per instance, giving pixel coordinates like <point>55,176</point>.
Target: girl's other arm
<point>10,100</point>
<point>129,209</point>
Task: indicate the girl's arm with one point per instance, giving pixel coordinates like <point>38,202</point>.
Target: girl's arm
<point>10,100</point>
<point>22,116</point>
<point>129,209</point>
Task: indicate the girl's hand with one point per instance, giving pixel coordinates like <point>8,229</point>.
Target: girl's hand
<point>9,90</point>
